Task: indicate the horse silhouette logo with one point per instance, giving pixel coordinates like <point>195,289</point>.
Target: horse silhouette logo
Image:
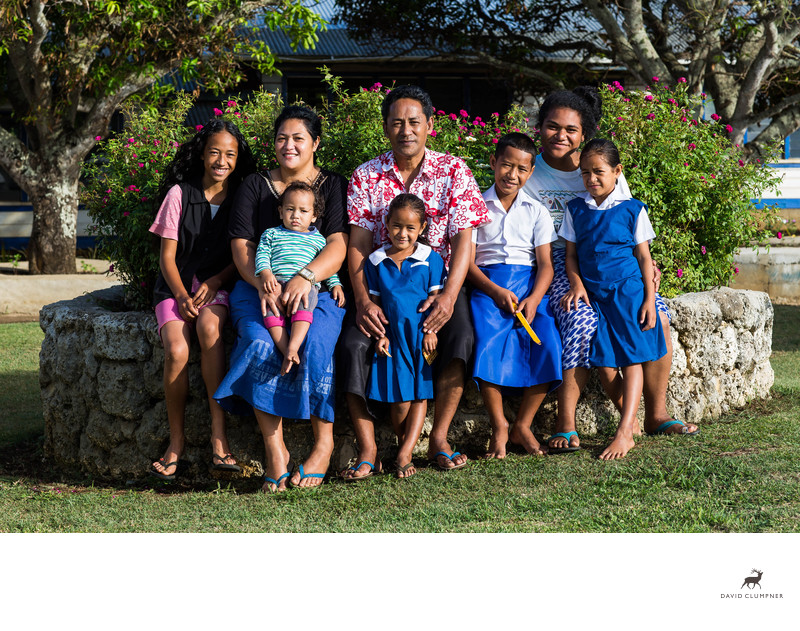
<point>750,581</point>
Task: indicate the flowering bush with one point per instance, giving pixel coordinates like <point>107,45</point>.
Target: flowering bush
<point>698,187</point>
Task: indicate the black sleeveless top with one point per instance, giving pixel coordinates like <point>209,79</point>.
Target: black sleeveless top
<point>203,248</point>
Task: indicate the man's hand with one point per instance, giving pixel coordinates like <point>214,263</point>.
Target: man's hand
<point>370,319</point>
<point>441,306</point>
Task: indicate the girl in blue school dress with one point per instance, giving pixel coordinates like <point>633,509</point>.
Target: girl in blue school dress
<point>400,278</point>
<point>609,268</point>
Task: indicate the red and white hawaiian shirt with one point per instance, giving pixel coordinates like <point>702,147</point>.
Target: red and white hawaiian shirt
<point>452,199</point>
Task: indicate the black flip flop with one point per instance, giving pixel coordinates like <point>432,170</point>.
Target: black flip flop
<point>163,476</point>
<point>224,466</point>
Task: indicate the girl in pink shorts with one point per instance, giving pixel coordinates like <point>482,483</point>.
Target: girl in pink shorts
<point>196,267</point>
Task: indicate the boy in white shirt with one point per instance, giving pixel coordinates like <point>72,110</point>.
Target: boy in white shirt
<point>511,273</point>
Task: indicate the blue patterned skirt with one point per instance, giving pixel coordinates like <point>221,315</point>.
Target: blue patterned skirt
<point>505,354</point>
<point>255,366</point>
<point>578,326</point>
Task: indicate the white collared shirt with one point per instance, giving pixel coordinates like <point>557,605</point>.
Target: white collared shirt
<point>421,257</point>
<point>644,229</point>
<point>512,236</point>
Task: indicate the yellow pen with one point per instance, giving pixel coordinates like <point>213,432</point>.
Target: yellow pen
<point>527,326</point>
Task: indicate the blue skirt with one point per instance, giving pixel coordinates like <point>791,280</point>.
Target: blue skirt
<point>255,366</point>
<point>505,354</point>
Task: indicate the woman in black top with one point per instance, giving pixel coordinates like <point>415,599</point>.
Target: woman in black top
<point>308,391</point>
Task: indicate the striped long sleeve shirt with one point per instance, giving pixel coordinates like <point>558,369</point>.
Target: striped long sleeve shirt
<point>286,252</point>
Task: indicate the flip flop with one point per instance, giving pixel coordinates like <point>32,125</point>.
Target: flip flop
<point>403,469</point>
<point>361,477</point>
<point>303,476</point>
<point>662,429</point>
<point>222,465</point>
<point>277,482</point>
<point>435,463</point>
<point>163,476</point>
<point>562,450</point>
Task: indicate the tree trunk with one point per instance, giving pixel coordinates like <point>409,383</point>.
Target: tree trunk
<point>51,249</point>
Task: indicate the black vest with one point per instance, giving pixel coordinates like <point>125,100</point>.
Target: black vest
<point>203,248</point>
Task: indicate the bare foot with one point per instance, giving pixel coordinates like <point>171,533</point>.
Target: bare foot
<point>443,461</point>
<point>618,448</point>
<point>291,360</point>
<point>497,443</point>
<point>524,436</point>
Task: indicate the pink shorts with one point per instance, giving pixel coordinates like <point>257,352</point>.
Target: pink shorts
<point>168,311</point>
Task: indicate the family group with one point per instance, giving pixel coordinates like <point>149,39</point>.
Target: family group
<point>407,278</point>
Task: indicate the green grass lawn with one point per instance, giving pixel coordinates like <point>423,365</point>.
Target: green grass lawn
<point>740,475</point>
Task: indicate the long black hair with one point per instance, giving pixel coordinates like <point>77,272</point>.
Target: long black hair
<point>584,99</point>
<point>187,165</point>
<point>604,148</point>
<point>309,118</point>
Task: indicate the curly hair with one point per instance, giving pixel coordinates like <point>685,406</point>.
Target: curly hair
<point>187,165</point>
<point>584,99</point>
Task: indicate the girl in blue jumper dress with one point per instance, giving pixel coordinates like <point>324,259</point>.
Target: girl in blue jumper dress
<point>400,278</point>
<point>609,267</point>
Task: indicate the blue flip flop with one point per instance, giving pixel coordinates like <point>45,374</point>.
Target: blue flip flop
<point>662,429</point>
<point>304,475</point>
<point>435,463</point>
<point>563,450</point>
<point>277,482</point>
<point>361,477</point>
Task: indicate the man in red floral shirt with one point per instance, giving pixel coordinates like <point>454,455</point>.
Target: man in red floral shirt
<point>454,206</point>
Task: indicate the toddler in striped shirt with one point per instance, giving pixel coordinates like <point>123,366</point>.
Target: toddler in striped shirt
<point>283,252</point>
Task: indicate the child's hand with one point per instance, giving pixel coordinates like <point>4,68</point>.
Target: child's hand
<point>504,298</point>
<point>648,316</point>
<point>528,308</point>
<point>429,342</point>
<point>573,297</point>
<point>270,282</point>
<point>382,347</point>
<point>205,293</point>
<point>337,293</point>
<point>186,306</point>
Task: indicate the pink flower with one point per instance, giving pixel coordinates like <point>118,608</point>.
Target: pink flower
<point>691,146</point>
<point>681,79</point>
<point>198,127</point>
<point>231,103</point>
<point>478,119</point>
<point>703,249</point>
<point>496,115</point>
<point>144,199</point>
<point>217,111</point>
<point>377,86</point>
<point>433,133</point>
<point>728,128</point>
<point>713,177</point>
<point>715,117</point>
<point>463,113</point>
<point>651,116</point>
<point>741,163</point>
<point>686,164</point>
<point>620,118</point>
<point>98,137</point>
<point>440,112</point>
<point>679,273</point>
<point>735,270</point>
<point>125,214</point>
<point>141,165</point>
<point>655,79</point>
<point>702,95</point>
<point>494,140</point>
<point>130,140</point>
<point>684,119</point>
<point>453,117</point>
<point>132,187</point>
<point>111,268</point>
<point>780,235</point>
<point>626,100</point>
<point>649,97</point>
